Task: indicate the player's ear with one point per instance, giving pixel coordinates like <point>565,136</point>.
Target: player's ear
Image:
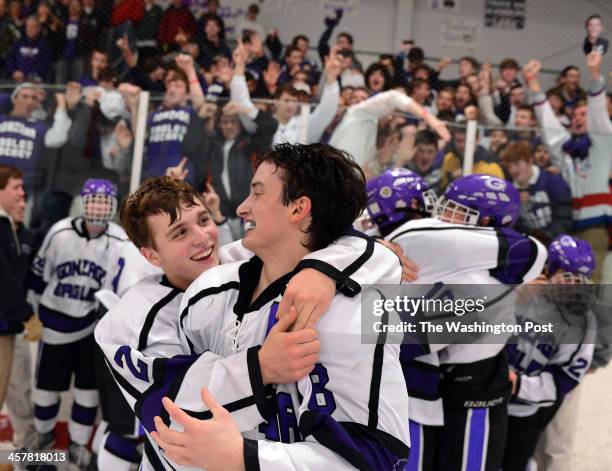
<point>301,208</point>
<point>151,255</point>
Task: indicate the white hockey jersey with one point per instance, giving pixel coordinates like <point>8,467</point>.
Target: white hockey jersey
<point>140,340</point>
<point>459,254</point>
<point>365,427</point>
<point>131,267</point>
<point>549,365</point>
<point>67,271</point>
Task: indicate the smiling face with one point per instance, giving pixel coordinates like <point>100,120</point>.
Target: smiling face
<point>183,249</point>
<point>267,221</point>
<point>579,120</point>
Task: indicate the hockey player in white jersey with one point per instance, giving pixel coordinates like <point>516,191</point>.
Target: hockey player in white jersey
<point>351,411</point>
<point>166,219</point>
<point>116,443</point>
<point>73,263</point>
<point>448,251</point>
<point>545,367</point>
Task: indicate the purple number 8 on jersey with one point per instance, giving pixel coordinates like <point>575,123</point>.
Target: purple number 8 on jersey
<point>321,400</point>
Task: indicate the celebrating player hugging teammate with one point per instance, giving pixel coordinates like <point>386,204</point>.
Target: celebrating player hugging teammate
<point>473,243</point>
<point>228,310</point>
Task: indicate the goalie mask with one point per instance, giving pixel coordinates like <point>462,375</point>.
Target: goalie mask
<point>98,201</point>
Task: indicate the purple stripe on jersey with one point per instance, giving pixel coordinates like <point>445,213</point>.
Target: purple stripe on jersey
<point>46,412</point>
<point>83,415</point>
<point>122,447</point>
<point>598,92</point>
<point>477,438</point>
<point>420,380</point>
<point>272,317</point>
<point>563,382</point>
<point>377,456</point>
<point>37,284</point>
<point>354,449</point>
<point>415,447</point>
<point>55,320</point>
<point>152,405</point>
<point>518,259</point>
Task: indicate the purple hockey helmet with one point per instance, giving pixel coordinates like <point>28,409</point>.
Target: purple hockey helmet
<point>98,201</point>
<point>393,194</point>
<point>470,198</point>
<point>570,254</point>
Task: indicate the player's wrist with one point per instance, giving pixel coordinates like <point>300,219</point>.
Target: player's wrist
<point>266,375</point>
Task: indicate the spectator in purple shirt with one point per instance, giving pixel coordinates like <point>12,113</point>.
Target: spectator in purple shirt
<point>71,60</point>
<point>30,56</point>
<point>546,207</point>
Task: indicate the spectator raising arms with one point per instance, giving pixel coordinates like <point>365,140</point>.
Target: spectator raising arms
<point>169,124</point>
<point>24,140</point>
<point>356,134</point>
<point>583,154</point>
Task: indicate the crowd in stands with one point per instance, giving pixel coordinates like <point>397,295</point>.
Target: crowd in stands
<point>213,108</point>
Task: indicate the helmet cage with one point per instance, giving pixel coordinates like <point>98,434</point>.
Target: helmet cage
<point>455,213</point>
<point>98,209</point>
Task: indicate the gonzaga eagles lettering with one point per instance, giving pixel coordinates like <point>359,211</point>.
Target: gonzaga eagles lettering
<point>67,271</point>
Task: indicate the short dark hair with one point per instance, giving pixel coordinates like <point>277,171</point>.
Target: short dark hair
<point>509,63</point>
<point>475,64</point>
<point>446,115</point>
<point>285,88</point>
<point>108,75</point>
<point>377,66</point>
<point>297,37</point>
<point>567,69</point>
<point>214,18</point>
<point>179,74</point>
<point>593,17</point>
<point>154,196</point>
<point>348,36</point>
<point>555,91</point>
<point>7,172</point>
<point>424,67</point>
<point>291,48</point>
<point>416,54</point>
<point>324,174</point>
<point>529,108</point>
<point>426,137</point>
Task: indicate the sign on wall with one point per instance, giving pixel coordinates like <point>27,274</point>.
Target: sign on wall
<point>505,14</point>
<point>458,35</point>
